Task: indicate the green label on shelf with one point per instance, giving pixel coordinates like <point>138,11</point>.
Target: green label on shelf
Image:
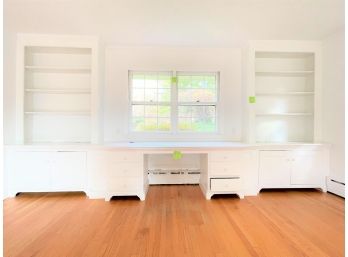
<point>177,155</point>
<point>252,99</point>
<point>174,80</point>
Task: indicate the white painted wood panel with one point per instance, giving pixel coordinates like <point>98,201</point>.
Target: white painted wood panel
<point>274,168</point>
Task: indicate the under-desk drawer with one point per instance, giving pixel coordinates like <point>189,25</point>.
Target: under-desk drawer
<point>117,156</point>
<point>225,184</point>
<point>226,169</point>
<point>124,184</point>
<point>125,169</point>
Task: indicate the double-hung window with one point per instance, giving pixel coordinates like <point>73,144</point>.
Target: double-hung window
<point>175,102</point>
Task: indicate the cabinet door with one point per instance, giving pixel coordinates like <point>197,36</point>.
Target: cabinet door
<point>69,171</point>
<point>308,168</point>
<point>274,169</point>
<point>32,171</point>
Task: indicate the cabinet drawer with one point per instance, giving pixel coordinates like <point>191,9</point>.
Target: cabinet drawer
<point>224,169</point>
<point>124,156</point>
<point>225,184</point>
<point>228,156</point>
<point>124,184</point>
<point>125,169</point>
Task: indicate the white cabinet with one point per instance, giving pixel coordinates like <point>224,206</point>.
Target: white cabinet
<point>47,171</point>
<point>307,167</point>
<point>274,168</point>
<point>69,171</point>
<point>226,170</point>
<point>116,173</point>
<point>293,169</point>
<point>31,172</point>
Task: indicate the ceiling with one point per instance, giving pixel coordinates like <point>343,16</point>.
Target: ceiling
<point>177,22</point>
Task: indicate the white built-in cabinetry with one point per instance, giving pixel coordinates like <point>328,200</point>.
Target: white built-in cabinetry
<point>47,171</point>
<point>116,173</point>
<point>293,168</point>
<point>284,91</point>
<point>57,89</point>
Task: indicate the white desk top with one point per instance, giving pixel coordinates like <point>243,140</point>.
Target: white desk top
<point>158,146</point>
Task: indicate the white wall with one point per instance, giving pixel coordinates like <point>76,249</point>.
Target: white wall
<point>119,60</point>
<point>333,101</point>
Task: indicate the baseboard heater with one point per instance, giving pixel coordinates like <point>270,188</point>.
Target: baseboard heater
<point>174,176</point>
<point>336,187</point>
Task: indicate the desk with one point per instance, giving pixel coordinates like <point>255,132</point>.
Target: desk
<point>121,168</point>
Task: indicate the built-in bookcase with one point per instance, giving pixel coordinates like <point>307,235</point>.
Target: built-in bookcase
<point>57,89</point>
<point>284,87</point>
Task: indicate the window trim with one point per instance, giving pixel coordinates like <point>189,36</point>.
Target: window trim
<point>174,104</point>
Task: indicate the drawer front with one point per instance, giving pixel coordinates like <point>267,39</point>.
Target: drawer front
<point>225,156</point>
<point>124,184</point>
<point>117,156</point>
<point>225,184</point>
<point>224,169</point>
<point>125,169</point>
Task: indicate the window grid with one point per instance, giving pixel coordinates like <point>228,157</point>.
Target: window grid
<point>201,116</point>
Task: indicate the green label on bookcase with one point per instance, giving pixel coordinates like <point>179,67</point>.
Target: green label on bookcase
<point>174,80</point>
<point>252,99</point>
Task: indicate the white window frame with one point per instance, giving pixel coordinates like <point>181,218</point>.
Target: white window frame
<point>174,104</point>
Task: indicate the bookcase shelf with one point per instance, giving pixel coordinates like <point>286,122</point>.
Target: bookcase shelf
<point>58,91</point>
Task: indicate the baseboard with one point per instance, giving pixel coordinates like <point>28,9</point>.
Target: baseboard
<point>335,187</point>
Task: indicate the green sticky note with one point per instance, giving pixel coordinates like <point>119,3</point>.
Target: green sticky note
<point>177,155</point>
<point>252,99</point>
<point>174,80</point>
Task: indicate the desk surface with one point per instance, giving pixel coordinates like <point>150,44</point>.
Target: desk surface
<point>157,146</point>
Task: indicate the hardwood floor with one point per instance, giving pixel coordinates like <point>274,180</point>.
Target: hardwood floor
<point>175,221</point>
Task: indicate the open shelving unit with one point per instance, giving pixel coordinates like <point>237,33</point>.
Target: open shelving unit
<point>57,89</point>
<point>284,81</point>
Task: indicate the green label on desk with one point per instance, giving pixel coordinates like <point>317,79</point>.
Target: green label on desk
<point>252,99</point>
<point>177,155</point>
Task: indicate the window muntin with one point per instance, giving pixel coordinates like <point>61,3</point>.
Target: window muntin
<point>191,106</point>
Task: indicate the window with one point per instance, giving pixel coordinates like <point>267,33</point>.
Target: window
<point>197,101</point>
<point>161,101</point>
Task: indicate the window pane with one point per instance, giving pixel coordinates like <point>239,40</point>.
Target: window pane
<point>185,95</point>
<point>163,95</point>
<point>197,118</point>
<point>151,81</point>
<point>138,81</point>
<point>164,81</point>
<point>185,111</point>
<point>197,81</point>
<point>138,110</point>
<point>203,95</point>
<point>203,111</point>
<point>205,124</point>
<point>151,111</point>
<point>185,124</point>
<point>151,95</point>
<point>184,81</point>
<point>163,124</point>
<point>150,124</point>
<point>211,81</point>
<point>138,124</point>
<point>138,95</point>
<point>164,111</point>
